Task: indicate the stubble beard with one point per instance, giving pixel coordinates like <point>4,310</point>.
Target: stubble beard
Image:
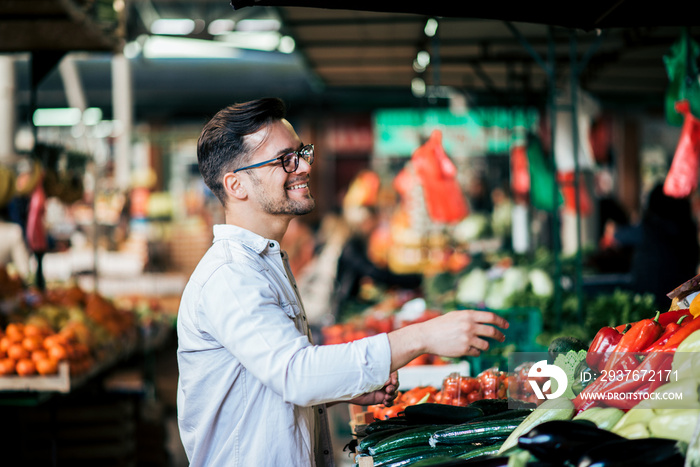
<point>285,206</point>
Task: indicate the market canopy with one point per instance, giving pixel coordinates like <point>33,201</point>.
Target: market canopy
<point>589,15</point>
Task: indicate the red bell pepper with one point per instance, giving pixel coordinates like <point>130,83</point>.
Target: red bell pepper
<point>646,372</point>
<point>630,400</point>
<point>605,340</point>
<point>680,335</point>
<point>663,371</point>
<point>640,336</point>
<point>668,332</point>
<point>673,316</point>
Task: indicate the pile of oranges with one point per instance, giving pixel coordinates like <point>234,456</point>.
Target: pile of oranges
<point>29,349</point>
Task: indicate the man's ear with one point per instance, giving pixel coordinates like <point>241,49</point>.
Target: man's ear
<point>233,186</point>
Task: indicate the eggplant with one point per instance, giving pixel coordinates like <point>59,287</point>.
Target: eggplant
<point>649,452</point>
<point>558,441</point>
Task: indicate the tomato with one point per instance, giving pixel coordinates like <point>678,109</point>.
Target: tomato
<point>467,385</point>
<point>474,396</point>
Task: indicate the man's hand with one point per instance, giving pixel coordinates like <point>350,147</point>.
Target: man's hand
<point>455,334</point>
<point>385,395</point>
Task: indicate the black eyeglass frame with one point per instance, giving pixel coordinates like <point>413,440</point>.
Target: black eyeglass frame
<point>308,157</point>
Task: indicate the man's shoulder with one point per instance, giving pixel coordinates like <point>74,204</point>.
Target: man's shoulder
<point>229,255</point>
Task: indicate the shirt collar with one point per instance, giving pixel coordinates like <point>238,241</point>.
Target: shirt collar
<point>247,238</point>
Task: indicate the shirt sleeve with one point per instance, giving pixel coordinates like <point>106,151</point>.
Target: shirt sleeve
<point>241,310</point>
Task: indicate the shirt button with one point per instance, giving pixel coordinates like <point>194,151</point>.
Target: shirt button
<point>272,245</point>
<point>325,451</point>
<point>320,410</point>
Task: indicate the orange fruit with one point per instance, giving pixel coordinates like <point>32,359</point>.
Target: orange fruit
<point>53,339</point>
<point>25,367</point>
<point>15,331</point>
<point>46,366</point>
<point>58,352</point>
<point>5,343</point>
<point>39,354</point>
<point>35,330</point>
<point>7,366</point>
<point>16,351</point>
<point>33,343</point>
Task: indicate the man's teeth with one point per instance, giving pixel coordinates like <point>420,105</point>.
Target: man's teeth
<point>298,187</point>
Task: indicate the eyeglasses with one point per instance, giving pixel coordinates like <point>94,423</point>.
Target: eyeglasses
<point>290,161</point>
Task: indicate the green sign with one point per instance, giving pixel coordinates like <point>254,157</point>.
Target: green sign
<point>398,133</point>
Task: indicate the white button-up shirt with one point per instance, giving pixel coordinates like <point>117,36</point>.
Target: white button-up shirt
<point>252,387</point>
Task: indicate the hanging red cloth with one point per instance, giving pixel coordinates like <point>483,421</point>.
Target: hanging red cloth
<point>36,230</point>
<point>682,177</point>
<point>519,171</point>
<point>568,189</point>
<point>444,199</point>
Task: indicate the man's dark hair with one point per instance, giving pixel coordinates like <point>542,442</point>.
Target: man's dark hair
<point>222,147</point>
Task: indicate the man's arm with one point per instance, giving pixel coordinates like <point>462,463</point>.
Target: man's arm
<point>455,334</point>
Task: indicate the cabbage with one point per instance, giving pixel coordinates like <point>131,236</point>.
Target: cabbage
<point>541,283</point>
<point>496,296</point>
<point>515,279</point>
<point>472,288</point>
<point>471,228</point>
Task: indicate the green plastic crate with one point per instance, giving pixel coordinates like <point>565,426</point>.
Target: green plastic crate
<point>521,336</point>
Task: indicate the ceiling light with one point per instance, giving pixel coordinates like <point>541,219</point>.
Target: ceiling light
<point>180,47</point>
<point>417,67</point>
<point>173,27</point>
<point>418,87</point>
<point>220,26</point>
<point>69,116</point>
<point>423,58</point>
<point>132,49</point>
<point>287,45</point>
<point>258,25</point>
<point>265,41</point>
<point>430,27</point>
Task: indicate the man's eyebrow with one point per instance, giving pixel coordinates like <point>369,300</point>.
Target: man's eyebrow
<point>285,151</point>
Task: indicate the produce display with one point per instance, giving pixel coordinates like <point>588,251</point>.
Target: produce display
<point>41,330</point>
<point>632,398</point>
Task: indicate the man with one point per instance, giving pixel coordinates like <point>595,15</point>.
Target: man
<point>253,389</point>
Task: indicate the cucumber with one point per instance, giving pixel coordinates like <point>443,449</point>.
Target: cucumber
<point>441,413</point>
<point>414,437</point>
<point>388,424</point>
<point>475,431</point>
<point>560,408</point>
<point>410,455</point>
<point>507,415</point>
<point>365,442</point>
<point>481,451</point>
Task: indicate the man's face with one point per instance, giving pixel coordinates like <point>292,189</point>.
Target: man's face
<point>273,190</point>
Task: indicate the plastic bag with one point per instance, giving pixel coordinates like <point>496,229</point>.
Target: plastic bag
<point>682,178</point>
<point>444,199</point>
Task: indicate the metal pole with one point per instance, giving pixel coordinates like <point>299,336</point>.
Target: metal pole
<point>8,108</point>
<point>574,84</point>
<point>123,104</point>
<point>552,104</point>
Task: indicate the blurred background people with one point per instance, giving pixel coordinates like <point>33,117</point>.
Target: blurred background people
<point>665,243</point>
